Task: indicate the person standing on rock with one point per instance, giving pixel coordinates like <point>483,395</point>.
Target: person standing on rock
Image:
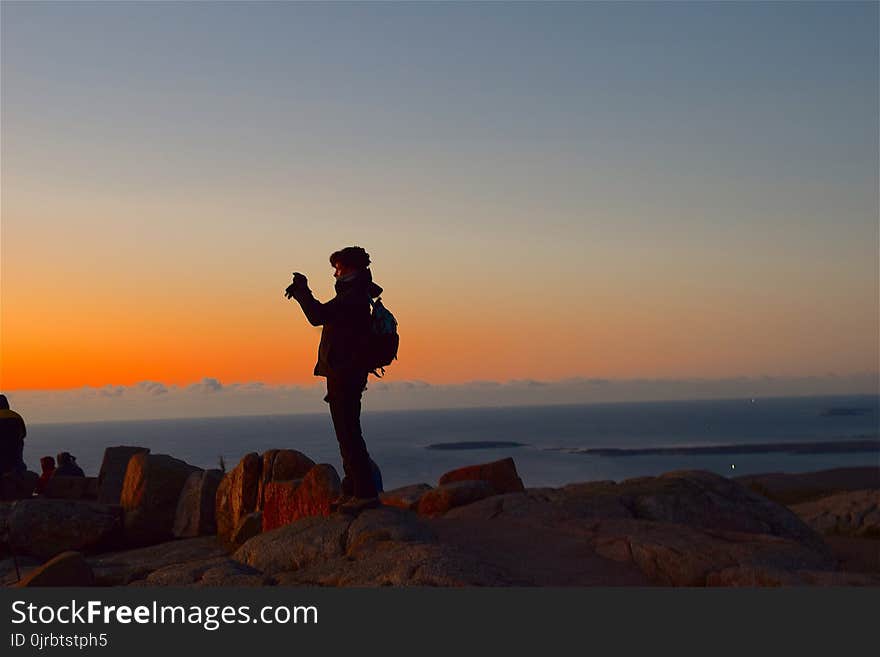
<point>12,434</point>
<point>342,360</point>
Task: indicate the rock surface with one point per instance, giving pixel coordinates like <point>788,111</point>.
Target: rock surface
<point>150,493</point>
<point>405,497</point>
<point>195,514</point>
<point>43,528</point>
<point>72,488</point>
<point>281,465</point>
<point>111,476</point>
<point>678,529</point>
<point>250,526</point>
<point>448,496</point>
<point>500,475</point>
<point>66,569</point>
<point>855,513</point>
<point>127,566</point>
<point>286,502</point>
<point>804,487</point>
<point>237,495</point>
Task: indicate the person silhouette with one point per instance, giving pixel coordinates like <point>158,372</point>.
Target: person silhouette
<point>342,360</point>
<point>67,466</point>
<point>12,435</point>
<point>47,464</point>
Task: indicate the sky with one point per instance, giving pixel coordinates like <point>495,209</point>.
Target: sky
<point>665,192</point>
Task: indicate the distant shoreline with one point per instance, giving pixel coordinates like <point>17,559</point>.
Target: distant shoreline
<point>867,444</point>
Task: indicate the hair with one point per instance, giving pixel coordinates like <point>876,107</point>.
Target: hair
<point>4,403</point>
<point>47,462</point>
<point>351,256</point>
<point>64,458</point>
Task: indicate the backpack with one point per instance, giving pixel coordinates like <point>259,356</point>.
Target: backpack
<point>384,340</point>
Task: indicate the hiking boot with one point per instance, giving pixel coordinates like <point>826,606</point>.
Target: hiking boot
<point>357,504</point>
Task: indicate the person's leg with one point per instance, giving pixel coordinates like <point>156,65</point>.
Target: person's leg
<point>344,395</point>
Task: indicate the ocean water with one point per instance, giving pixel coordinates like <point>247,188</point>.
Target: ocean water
<point>398,440</point>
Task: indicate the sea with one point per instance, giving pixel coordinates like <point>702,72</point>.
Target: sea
<point>550,444</point>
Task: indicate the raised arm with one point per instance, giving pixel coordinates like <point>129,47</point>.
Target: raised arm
<point>316,312</point>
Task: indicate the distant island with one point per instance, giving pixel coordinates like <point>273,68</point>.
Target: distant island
<point>847,411</point>
<point>821,447</point>
<point>476,444</point>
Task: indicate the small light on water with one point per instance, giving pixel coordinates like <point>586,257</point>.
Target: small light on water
<point>732,466</point>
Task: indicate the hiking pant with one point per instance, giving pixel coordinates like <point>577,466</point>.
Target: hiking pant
<point>344,396</point>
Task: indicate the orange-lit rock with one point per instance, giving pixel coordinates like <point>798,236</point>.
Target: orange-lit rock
<point>287,501</point>
<point>448,496</point>
<point>282,465</point>
<point>500,475</point>
<point>149,496</point>
<point>237,495</point>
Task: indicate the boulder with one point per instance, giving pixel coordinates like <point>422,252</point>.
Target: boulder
<point>216,571</point>
<point>296,545</point>
<point>400,564</point>
<point>237,495</point>
<point>802,487</point>
<point>65,569</point>
<point>282,465</point>
<point>250,526</point>
<point>111,476</point>
<point>72,488</point>
<point>17,485</point>
<point>447,496</point>
<point>43,528</point>
<point>195,515</point>
<point>385,524</point>
<point>126,566</point>
<point>500,475</point>
<point>278,503</point>
<point>405,497</point>
<point>855,513</point>
<point>286,502</point>
<point>677,555</point>
<point>150,492</point>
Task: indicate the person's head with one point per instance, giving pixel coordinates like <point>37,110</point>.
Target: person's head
<point>348,260</point>
<point>4,403</point>
<point>47,463</point>
<point>65,458</point>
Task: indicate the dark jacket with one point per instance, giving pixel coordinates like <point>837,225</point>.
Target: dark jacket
<point>346,322</point>
<point>12,434</point>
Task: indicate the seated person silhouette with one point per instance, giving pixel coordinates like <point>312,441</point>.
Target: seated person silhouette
<point>67,466</point>
<point>12,434</point>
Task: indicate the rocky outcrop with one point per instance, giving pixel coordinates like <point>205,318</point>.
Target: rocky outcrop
<point>150,493</point>
<point>282,465</point>
<point>679,529</point>
<point>500,475</point>
<point>448,496</point>
<point>43,528</point>
<point>855,513</point>
<point>195,514</point>
<point>66,569</point>
<point>217,571</point>
<point>111,476</point>
<point>128,566</point>
<point>295,545</point>
<point>288,501</point>
<point>237,495</point>
<point>790,489</point>
<point>405,497</point>
<point>250,526</point>
<point>72,488</point>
